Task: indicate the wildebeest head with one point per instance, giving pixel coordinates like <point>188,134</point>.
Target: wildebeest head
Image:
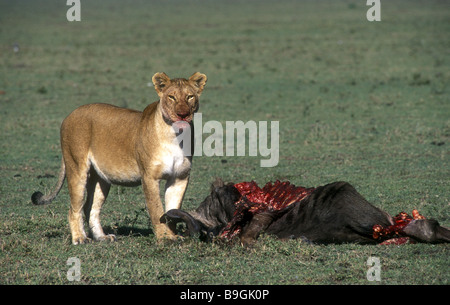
<point>212,215</point>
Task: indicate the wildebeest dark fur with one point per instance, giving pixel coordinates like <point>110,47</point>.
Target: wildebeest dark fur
<point>334,213</point>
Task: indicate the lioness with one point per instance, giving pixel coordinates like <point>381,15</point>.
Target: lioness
<point>104,144</point>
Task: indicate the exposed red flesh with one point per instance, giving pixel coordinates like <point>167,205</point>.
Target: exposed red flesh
<point>254,200</point>
<point>395,231</point>
<point>396,241</point>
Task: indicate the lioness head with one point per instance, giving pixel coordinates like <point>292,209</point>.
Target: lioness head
<point>179,96</point>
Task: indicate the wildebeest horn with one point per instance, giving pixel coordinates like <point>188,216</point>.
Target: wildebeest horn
<point>176,216</point>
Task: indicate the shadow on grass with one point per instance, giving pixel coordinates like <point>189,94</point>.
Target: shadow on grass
<point>128,231</point>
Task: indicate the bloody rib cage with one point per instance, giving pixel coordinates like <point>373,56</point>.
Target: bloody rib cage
<point>254,200</point>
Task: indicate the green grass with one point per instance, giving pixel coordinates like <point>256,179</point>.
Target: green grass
<point>365,102</point>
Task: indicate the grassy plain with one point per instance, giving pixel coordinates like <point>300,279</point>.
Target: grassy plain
<point>365,102</point>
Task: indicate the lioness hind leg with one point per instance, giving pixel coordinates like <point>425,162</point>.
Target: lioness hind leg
<point>77,185</point>
<point>97,191</point>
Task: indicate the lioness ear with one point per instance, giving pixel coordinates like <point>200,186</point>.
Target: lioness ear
<point>199,80</point>
<point>160,80</point>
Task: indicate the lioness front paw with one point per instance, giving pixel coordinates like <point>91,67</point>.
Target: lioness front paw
<point>81,240</point>
<point>107,238</point>
<point>162,231</point>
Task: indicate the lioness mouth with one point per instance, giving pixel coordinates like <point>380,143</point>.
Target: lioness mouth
<point>183,119</point>
<point>181,125</point>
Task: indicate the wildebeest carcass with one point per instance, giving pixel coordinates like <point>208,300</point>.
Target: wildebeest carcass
<point>334,213</point>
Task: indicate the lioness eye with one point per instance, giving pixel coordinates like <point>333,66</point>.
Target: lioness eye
<point>190,97</point>
<point>172,97</point>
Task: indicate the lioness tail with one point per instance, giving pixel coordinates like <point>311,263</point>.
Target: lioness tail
<point>39,199</point>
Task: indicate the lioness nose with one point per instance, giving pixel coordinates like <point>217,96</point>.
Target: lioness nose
<point>183,114</point>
